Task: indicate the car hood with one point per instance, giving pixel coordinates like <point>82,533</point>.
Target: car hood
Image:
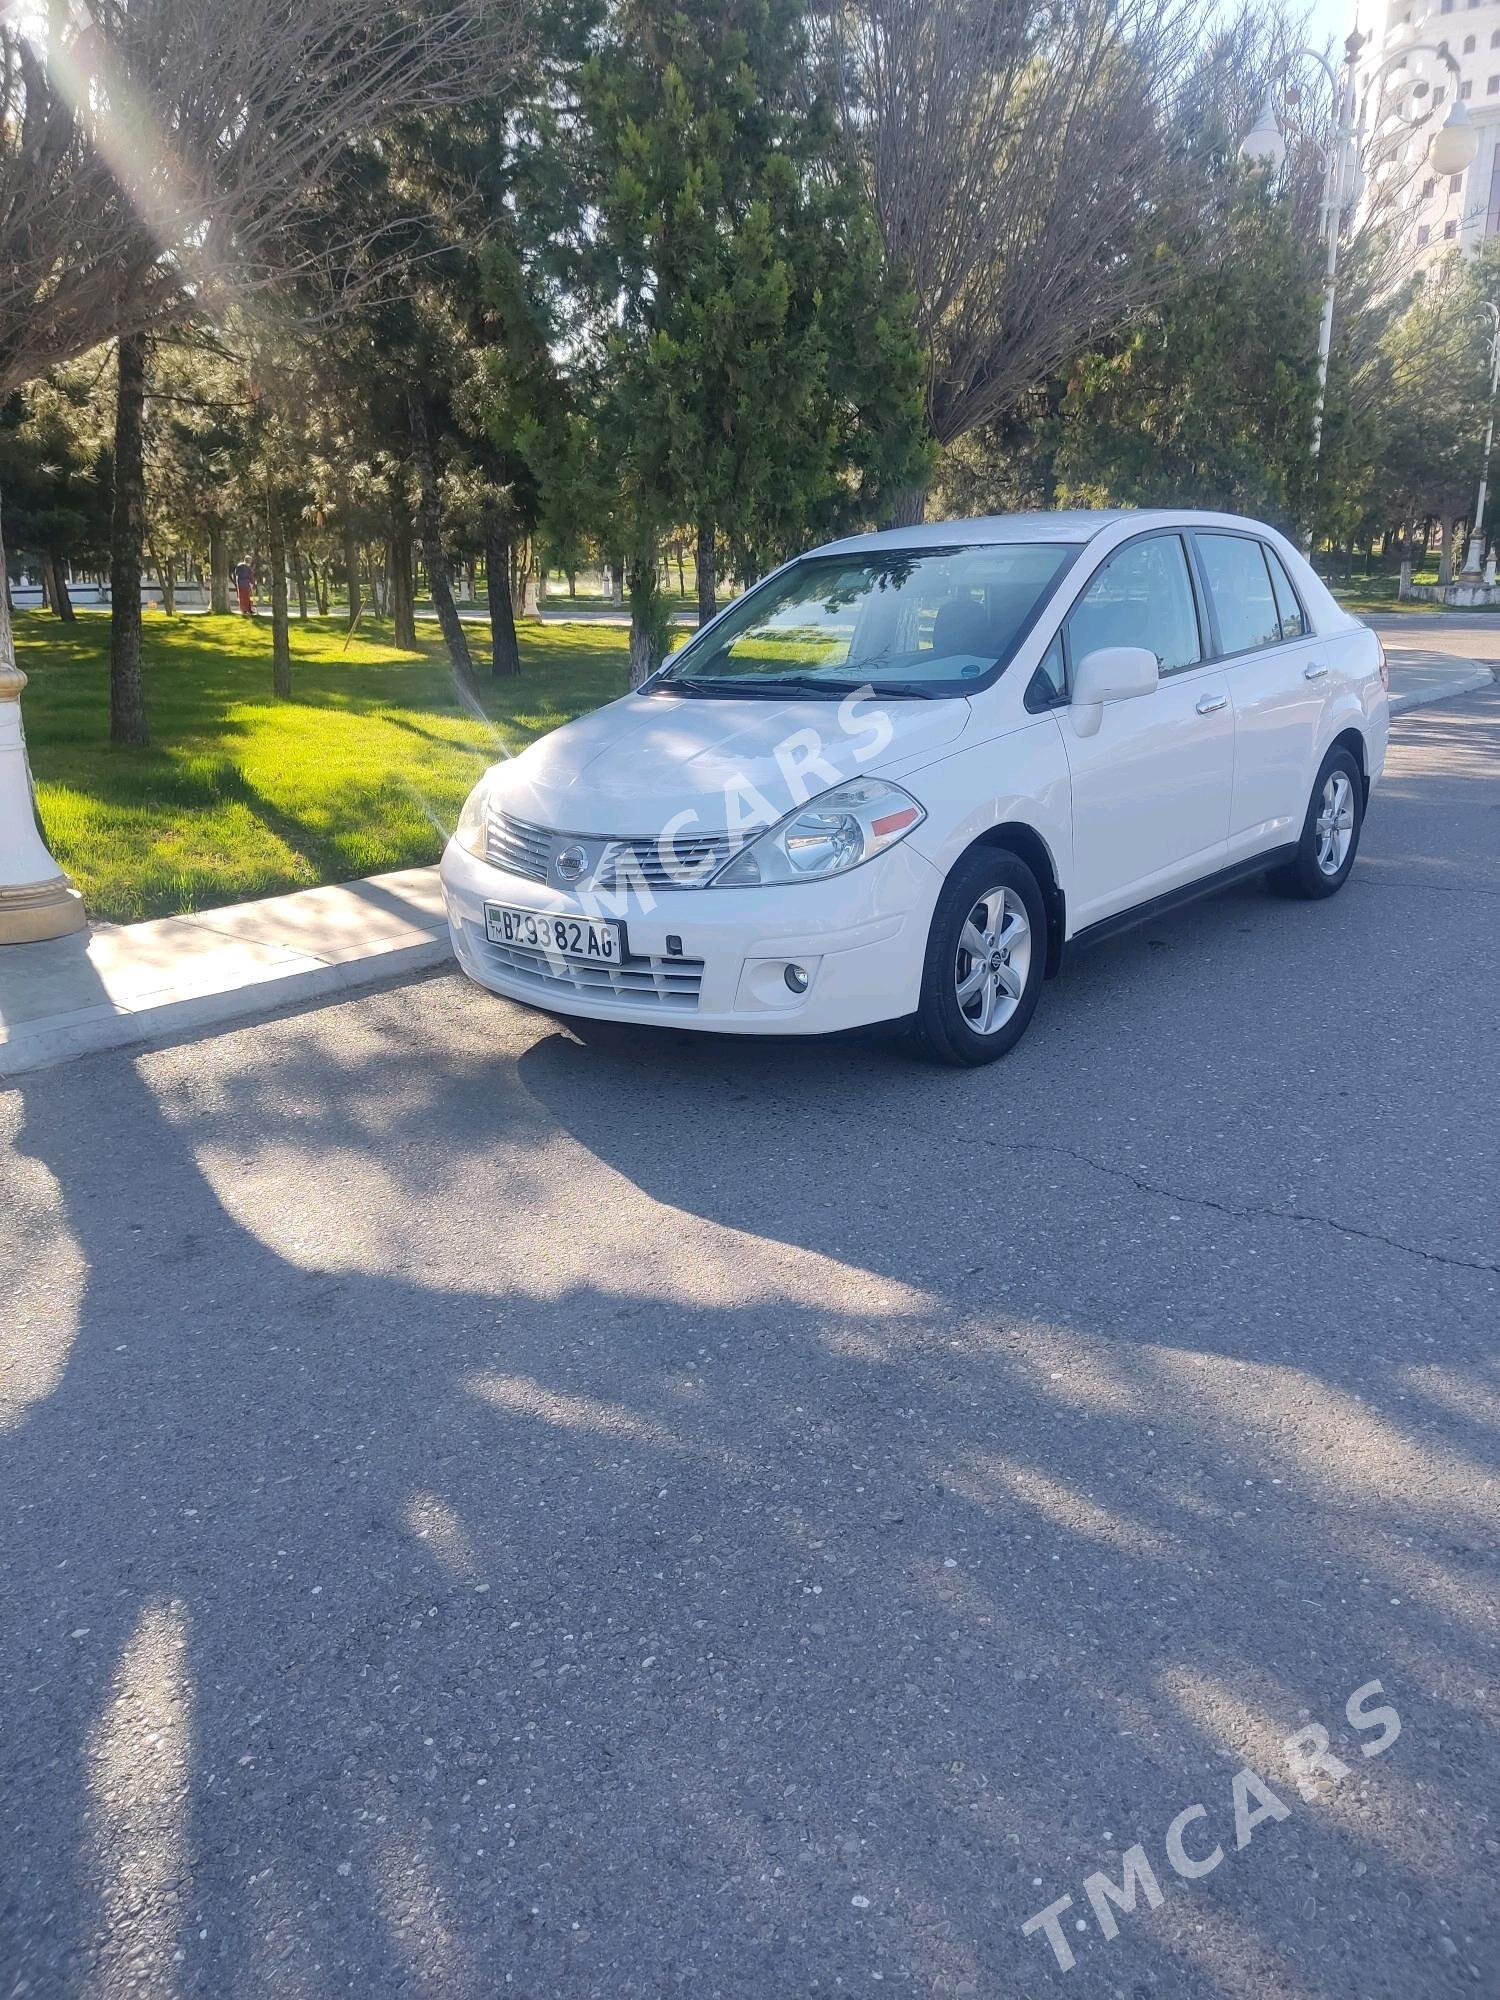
<point>630,767</point>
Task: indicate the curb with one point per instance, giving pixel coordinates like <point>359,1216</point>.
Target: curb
<point>1473,683</point>
<point>40,1045</point>
<point>121,986</point>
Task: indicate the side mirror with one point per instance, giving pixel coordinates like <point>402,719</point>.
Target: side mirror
<point>1113,673</point>
<point>1109,673</point>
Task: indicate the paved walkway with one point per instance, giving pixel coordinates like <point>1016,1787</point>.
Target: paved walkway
<point>125,984</point>
<point>128,983</point>
<point>556,610</point>
<point>1419,676</point>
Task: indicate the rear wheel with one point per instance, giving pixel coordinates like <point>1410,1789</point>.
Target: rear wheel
<point>1330,832</point>
<point>986,954</point>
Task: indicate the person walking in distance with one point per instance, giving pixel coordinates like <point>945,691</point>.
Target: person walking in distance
<point>244,583</point>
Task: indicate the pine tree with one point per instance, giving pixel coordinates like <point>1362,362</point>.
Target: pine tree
<point>734,279</point>
<point>54,476</point>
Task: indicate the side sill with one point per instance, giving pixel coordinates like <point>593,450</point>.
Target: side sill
<point>1190,892</point>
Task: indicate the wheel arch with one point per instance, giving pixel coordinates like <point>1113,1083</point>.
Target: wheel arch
<point>1025,842</point>
<point>1353,740</point>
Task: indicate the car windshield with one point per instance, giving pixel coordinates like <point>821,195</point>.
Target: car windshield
<point>929,623</point>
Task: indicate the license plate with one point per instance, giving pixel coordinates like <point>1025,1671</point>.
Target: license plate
<point>559,937</point>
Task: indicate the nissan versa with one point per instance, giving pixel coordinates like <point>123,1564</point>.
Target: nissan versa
<point>895,779</point>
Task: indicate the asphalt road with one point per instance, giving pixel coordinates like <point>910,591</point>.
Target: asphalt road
<point>1469,635</point>
<point>493,1511</point>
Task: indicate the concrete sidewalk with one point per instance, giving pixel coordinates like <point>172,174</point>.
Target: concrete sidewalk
<point>132,983</point>
<point>129,983</point>
<point>1420,676</point>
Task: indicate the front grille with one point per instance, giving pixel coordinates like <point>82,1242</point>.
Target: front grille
<point>665,985</point>
<point>518,848</point>
<point>615,863</point>
<point>684,863</point>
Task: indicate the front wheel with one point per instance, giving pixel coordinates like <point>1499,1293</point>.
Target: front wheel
<point>986,955</point>
<point>1330,832</point>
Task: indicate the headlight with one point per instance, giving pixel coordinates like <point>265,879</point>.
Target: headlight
<point>828,836</point>
<point>472,831</point>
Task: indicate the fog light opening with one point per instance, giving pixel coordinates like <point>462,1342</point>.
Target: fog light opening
<point>798,978</point>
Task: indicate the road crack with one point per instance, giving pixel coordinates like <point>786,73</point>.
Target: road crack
<point>1248,1211</point>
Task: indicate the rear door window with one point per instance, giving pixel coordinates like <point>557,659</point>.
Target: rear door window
<point>1239,585</point>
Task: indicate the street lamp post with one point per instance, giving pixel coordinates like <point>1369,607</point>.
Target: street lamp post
<point>1474,560</point>
<point>1453,149</point>
<point>36,899</point>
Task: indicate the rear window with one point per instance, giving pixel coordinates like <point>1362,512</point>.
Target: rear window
<point>1239,584</point>
<point>1293,618</point>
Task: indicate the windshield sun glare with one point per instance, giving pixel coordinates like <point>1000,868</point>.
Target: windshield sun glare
<point>934,622</point>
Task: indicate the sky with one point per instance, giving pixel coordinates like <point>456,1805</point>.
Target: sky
<point>1331,20</point>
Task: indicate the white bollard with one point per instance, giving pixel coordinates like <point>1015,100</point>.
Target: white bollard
<point>36,899</point>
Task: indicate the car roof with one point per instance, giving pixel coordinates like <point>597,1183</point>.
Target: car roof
<point>1072,525</point>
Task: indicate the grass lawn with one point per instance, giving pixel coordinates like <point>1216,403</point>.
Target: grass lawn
<point>1375,590</point>
<point>240,795</point>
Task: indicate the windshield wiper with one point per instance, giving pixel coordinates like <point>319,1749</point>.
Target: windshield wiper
<point>817,684</point>
<point>740,687</point>
<point>748,687</point>
<point>674,684</point>
<point>703,690</point>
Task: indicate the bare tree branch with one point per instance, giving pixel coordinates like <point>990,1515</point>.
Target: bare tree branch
<point>1042,169</point>
<point>156,156</point>
<point>1017,159</point>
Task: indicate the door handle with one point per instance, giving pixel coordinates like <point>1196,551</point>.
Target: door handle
<point>1212,703</point>
<point>1314,671</point>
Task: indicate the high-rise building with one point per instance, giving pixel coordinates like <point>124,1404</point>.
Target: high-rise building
<point>1450,211</point>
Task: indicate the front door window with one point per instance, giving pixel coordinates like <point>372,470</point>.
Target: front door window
<point>1142,597</point>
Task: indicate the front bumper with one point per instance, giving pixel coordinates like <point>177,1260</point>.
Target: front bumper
<point>861,937</point>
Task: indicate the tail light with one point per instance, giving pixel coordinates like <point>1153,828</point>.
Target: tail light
<point>1385,666</point>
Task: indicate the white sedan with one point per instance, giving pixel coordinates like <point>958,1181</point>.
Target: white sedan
<point>898,778</point>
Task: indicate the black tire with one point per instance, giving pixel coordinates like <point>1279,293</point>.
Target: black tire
<point>941,1029</point>
<point>1304,876</point>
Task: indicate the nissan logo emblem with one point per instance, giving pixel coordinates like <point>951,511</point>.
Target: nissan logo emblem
<point>570,863</point>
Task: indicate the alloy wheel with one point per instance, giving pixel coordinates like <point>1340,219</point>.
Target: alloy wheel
<point>1334,828</point>
<point>993,960</point>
